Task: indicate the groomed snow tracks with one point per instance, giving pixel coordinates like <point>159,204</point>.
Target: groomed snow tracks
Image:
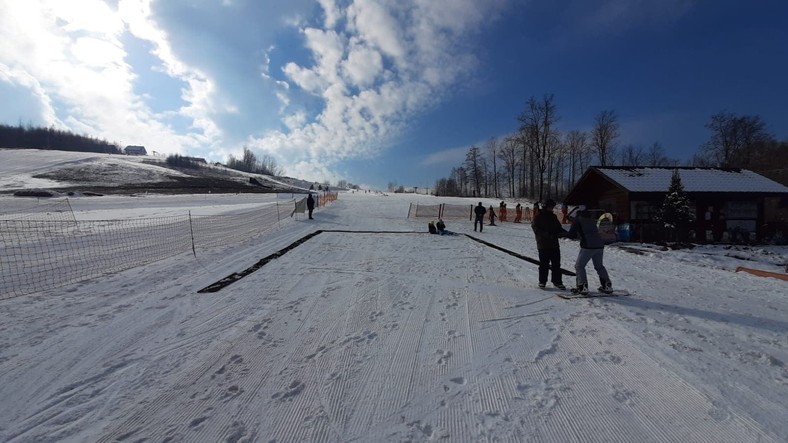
<point>234,277</point>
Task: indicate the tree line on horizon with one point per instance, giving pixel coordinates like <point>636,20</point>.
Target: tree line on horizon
<point>538,162</point>
<point>29,137</point>
<point>49,138</point>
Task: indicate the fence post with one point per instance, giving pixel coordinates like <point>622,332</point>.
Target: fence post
<point>191,229</point>
<point>72,213</point>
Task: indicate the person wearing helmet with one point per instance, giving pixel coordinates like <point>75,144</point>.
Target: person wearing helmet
<point>592,248</point>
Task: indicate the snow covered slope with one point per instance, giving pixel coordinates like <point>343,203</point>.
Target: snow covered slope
<point>25,169</point>
<point>397,337</point>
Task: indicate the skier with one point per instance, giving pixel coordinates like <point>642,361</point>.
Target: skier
<point>547,230</point>
<point>592,248</point>
<point>502,211</point>
<point>479,211</point>
<point>492,216</point>
<point>518,213</point>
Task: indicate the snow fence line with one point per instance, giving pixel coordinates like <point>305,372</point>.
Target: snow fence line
<point>760,273</point>
<point>235,276</point>
<point>47,247</point>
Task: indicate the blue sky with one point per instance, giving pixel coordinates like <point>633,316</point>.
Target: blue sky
<point>375,91</point>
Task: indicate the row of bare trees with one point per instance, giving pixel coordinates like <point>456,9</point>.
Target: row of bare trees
<point>540,162</point>
<point>250,163</point>
<point>30,137</point>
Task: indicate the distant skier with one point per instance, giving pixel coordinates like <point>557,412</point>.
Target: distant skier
<point>518,213</point>
<point>502,211</point>
<point>592,248</point>
<point>492,216</point>
<point>479,211</point>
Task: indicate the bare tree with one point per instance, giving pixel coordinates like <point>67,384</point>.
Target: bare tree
<point>558,168</point>
<point>577,148</point>
<point>509,155</point>
<point>527,182</point>
<point>536,123</point>
<point>492,148</point>
<point>473,164</point>
<point>460,177</point>
<point>249,163</point>
<point>268,163</point>
<point>632,155</point>
<point>655,156</point>
<point>734,139</point>
<point>604,135</point>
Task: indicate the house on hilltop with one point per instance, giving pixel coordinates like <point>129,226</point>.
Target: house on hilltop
<point>135,150</point>
<point>729,204</point>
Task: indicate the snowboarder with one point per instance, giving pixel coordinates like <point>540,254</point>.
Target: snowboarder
<point>592,248</point>
<point>479,211</point>
<point>547,230</point>
<point>310,205</point>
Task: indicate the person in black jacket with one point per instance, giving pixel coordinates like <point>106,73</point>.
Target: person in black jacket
<point>547,230</point>
<point>310,204</point>
<point>480,210</point>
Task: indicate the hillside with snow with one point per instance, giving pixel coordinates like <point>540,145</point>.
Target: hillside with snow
<point>62,172</point>
<point>373,330</point>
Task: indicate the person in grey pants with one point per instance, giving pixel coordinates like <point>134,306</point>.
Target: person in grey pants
<point>592,248</point>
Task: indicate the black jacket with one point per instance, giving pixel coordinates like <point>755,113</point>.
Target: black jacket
<point>547,230</point>
<point>480,211</point>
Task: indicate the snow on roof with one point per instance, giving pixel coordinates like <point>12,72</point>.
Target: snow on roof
<point>693,179</point>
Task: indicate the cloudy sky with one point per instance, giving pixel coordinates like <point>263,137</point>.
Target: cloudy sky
<point>379,91</point>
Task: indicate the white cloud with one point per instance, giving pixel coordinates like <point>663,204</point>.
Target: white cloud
<point>362,66</point>
<point>448,156</point>
<point>31,98</point>
<point>374,66</point>
<point>381,64</point>
<point>73,52</point>
<point>331,12</point>
<point>95,52</point>
<point>377,26</point>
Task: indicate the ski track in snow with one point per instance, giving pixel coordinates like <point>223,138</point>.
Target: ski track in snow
<point>392,337</point>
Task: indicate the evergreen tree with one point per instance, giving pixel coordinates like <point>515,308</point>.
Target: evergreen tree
<point>676,213</point>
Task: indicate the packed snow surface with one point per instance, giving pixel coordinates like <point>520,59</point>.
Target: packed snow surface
<point>392,334</point>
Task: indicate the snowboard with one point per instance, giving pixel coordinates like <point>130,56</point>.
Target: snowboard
<point>553,288</point>
<point>593,294</point>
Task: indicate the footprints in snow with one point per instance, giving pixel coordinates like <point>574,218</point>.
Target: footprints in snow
<point>296,387</point>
